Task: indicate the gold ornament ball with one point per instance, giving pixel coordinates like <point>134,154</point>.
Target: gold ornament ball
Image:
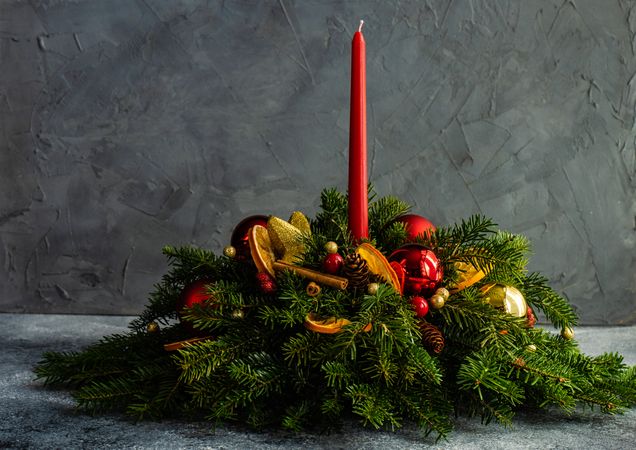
<point>331,247</point>
<point>229,251</point>
<point>508,298</point>
<point>372,288</point>
<point>436,301</point>
<point>152,327</point>
<point>238,314</point>
<point>531,348</point>
<point>567,333</point>
<point>443,292</point>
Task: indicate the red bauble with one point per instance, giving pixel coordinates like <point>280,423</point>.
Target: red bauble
<point>239,239</point>
<point>194,294</point>
<point>422,270</point>
<point>416,226</point>
<point>266,283</point>
<point>332,263</point>
<point>420,305</point>
<point>531,318</point>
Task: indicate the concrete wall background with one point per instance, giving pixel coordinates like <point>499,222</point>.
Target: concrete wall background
<point>126,125</point>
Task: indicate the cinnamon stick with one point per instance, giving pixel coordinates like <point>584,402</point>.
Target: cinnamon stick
<point>313,275</point>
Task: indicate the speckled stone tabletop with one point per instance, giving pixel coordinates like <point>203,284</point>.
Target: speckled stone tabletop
<point>34,417</point>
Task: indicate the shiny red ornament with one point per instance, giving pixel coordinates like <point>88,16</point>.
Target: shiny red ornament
<point>421,269</point>
<point>332,263</point>
<point>416,226</point>
<point>239,239</point>
<point>266,283</point>
<point>420,305</point>
<point>194,294</point>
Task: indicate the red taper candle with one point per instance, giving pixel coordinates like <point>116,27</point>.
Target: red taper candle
<point>358,207</point>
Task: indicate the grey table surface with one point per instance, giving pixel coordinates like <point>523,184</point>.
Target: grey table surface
<point>34,417</point>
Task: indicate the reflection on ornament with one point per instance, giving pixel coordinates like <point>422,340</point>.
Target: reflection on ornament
<point>507,298</point>
<point>421,269</point>
<point>416,226</point>
<point>240,235</point>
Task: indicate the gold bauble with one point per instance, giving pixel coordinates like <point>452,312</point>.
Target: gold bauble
<point>531,348</point>
<point>152,327</point>
<point>229,251</point>
<point>567,333</point>
<point>331,247</point>
<point>436,301</point>
<point>443,292</point>
<point>372,288</point>
<point>238,314</point>
<point>508,298</point>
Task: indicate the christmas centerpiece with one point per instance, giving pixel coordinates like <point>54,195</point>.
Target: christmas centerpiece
<point>366,310</point>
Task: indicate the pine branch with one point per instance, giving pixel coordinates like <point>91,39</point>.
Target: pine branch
<point>539,295</point>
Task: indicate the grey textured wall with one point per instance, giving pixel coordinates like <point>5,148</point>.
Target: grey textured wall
<point>127,125</point>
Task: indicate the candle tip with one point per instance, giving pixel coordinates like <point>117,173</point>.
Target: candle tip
<point>360,27</point>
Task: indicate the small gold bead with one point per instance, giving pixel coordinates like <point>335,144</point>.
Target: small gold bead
<point>331,247</point>
<point>443,292</point>
<point>372,288</point>
<point>436,302</point>
<point>567,333</point>
<point>229,251</point>
<point>238,314</point>
<point>531,348</point>
<point>152,327</point>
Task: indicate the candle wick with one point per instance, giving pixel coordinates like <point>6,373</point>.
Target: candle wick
<point>360,27</point>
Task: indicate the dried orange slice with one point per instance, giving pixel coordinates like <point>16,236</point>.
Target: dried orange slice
<point>329,325</point>
<point>379,265</point>
<point>261,249</point>
<point>468,275</point>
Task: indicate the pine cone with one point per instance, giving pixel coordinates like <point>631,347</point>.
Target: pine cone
<point>432,338</point>
<point>356,270</point>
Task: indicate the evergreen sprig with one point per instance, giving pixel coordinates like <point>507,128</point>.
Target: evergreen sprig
<point>260,365</point>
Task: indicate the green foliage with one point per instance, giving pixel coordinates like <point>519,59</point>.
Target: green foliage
<point>263,367</point>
